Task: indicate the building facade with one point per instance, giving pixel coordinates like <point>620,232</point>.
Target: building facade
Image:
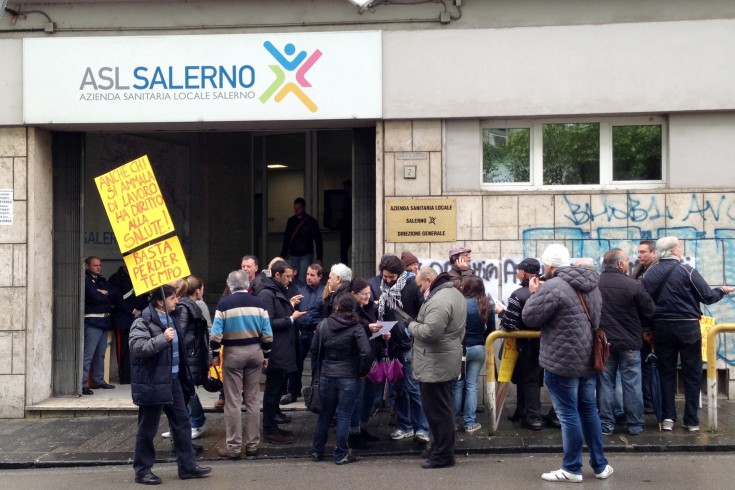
<point>592,125</point>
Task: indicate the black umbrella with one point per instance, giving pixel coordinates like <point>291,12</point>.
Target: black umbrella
<point>654,384</point>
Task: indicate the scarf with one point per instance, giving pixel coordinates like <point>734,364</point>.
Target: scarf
<point>390,296</point>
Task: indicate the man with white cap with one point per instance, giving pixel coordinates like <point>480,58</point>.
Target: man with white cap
<point>566,309</point>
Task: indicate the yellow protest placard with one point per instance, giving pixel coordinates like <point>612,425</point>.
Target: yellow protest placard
<point>705,324</point>
<point>508,359</point>
<point>134,204</point>
<point>157,264</point>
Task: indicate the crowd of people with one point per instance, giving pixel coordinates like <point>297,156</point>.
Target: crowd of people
<point>271,321</point>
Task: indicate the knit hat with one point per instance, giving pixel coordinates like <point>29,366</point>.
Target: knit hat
<point>556,255</point>
<point>407,258</point>
<point>531,266</point>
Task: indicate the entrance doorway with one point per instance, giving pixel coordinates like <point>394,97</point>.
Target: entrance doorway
<point>314,165</point>
<point>229,194</point>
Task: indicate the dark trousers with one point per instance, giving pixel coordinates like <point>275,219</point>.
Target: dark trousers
<point>149,416</point>
<point>123,355</point>
<point>672,339</point>
<point>646,375</point>
<point>274,377</point>
<point>439,410</point>
<point>528,375</point>
<point>303,346</point>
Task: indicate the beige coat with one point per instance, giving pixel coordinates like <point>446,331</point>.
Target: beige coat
<point>438,332</point>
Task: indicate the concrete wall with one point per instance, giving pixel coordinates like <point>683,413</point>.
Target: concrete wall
<point>25,300</point>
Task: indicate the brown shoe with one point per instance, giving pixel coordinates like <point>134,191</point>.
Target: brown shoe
<point>220,403</point>
<point>278,438</point>
<point>223,452</point>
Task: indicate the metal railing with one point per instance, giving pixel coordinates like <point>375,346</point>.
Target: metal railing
<point>490,378</point>
<point>712,371</point>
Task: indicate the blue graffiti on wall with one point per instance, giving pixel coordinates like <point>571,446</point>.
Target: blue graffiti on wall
<point>592,229</point>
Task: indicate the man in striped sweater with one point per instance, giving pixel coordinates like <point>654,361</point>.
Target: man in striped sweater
<point>242,325</point>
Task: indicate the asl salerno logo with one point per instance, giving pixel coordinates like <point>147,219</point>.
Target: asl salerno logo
<point>289,61</point>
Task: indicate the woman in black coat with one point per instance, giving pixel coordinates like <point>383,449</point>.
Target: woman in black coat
<point>343,355</point>
<point>160,381</point>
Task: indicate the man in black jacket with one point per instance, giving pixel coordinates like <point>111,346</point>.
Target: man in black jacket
<point>301,234</point>
<point>527,374</point>
<point>282,360</point>
<point>678,289</point>
<point>626,309</point>
<point>125,311</point>
<point>396,291</point>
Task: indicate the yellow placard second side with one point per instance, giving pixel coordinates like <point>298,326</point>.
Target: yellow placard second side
<point>157,264</point>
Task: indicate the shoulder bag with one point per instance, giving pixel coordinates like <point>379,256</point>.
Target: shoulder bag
<point>600,345</point>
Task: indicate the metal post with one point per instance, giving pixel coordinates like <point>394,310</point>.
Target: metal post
<point>712,371</point>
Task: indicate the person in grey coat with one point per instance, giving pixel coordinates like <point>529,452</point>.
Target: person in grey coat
<point>566,308</point>
<point>437,358</point>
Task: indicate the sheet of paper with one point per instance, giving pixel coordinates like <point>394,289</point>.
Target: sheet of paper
<point>385,327</point>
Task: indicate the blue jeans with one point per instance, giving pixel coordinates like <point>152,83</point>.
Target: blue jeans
<point>626,364</point>
<point>575,405</point>
<point>409,412</point>
<point>338,397</point>
<point>301,263</point>
<point>363,404</point>
<point>466,390</point>
<point>294,379</point>
<point>196,412</point>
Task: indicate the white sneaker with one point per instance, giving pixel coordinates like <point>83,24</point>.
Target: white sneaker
<point>667,424</point>
<point>562,475</point>
<point>421,436</point>
<point>691,428</point>
<point>166,435</point>
<point>604,473</point>
<point>398,434</point>
<point>197,432</point>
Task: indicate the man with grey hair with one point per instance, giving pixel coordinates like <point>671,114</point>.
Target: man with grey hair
<point>678,289</point>
<point>626,310</point>
<point>241,323</point>
<point>339,280</point>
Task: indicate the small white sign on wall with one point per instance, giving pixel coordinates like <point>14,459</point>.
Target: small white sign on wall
<point>6,206</point>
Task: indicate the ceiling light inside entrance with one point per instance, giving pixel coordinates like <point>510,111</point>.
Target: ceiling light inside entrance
<point>277,165</point>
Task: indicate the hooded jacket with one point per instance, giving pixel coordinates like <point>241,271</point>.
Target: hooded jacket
<point>283,351</point>
<point>438,332</point>
<point>566,333</point>
<point>151,358</point>
<point>345,349</point>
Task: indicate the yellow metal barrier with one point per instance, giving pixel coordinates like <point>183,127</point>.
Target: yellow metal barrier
<point>712,371</point>
<point>490,378</point>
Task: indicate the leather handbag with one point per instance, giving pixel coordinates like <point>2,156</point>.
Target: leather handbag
<point>600,345</point>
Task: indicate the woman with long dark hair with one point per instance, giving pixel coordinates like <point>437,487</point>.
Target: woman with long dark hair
<point>480,322</point>
<point>343,355</point>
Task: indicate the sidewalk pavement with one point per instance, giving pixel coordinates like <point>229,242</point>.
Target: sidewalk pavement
<point>109,439</point>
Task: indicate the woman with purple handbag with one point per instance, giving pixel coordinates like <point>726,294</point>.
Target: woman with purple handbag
<point>366,313</point>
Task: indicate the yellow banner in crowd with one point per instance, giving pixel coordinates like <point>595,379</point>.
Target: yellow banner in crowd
<point>134,204</point>
<point>705,324</point>
<point>156,265</point>
<point>508,359</point>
